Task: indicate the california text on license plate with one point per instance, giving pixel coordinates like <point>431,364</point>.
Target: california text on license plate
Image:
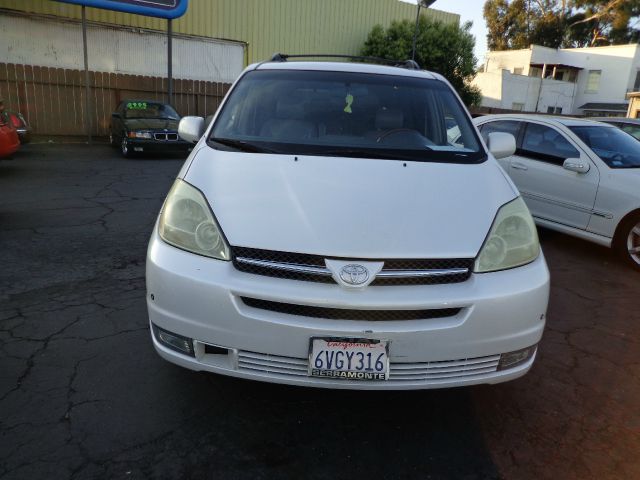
<point>349,359</point>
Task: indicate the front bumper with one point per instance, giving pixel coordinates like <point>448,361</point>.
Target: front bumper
<point>199,298</point>
<point>158,146</point>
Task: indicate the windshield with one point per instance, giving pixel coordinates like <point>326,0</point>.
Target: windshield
<point>616,148</point>
<point>346,114</point>
<point>631,129</point>
<point>149,110</point>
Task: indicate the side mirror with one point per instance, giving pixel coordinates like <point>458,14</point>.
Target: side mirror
<point>501,144</point>
<point>191,129</point>
<point>576,165</point>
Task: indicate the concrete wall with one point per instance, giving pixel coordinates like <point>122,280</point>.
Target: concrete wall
<point>619,65</point>
<point>503,89</point>
<point>495,62</point>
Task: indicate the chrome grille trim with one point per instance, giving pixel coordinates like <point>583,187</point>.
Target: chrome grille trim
<point>288,267</point>
<point>439,371</point>
<point>421,273</point>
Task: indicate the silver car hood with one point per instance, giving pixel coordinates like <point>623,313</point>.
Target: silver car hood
<point>351,207</point>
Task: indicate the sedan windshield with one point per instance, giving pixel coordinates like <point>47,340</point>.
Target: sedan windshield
<point>149,110</point>
<point>616,148</point>
<point>346,114</point>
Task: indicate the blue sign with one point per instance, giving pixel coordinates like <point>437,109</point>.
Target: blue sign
<point>149,8</point>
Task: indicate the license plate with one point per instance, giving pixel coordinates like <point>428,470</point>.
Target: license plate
<point>349,359</point>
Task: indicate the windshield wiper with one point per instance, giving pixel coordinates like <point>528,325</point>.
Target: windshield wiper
<point>364,153</point>
<point>241,145</point>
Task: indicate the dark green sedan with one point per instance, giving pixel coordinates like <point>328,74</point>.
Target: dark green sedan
<point>146,126</point>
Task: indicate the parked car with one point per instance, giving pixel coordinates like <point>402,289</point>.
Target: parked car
<point>325,232</point>
<point>139,126</point>
<point>577,176</point>
<point>9,141</point>
<point>23,129</point>
<point>629,125</point>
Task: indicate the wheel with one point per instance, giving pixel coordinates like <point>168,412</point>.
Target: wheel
<point>627,241</point>
<point>124,148</point>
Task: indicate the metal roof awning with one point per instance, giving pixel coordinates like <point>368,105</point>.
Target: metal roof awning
<point>557,65</point>
<point>605,107</point>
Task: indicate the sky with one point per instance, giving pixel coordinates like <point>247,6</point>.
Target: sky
<point>468,10</point>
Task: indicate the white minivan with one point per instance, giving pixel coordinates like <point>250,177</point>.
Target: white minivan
<point>343,225</point>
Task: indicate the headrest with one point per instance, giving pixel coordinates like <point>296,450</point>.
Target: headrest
<point>388,119</point>
<point>290,109</point>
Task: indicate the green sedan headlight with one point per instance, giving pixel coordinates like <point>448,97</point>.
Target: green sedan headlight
<point>186,222</point>
<point>512,240</point>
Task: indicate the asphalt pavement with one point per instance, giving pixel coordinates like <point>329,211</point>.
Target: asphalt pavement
<point>83,394</point>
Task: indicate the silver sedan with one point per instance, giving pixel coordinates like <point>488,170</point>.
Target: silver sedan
<point>577,176</point>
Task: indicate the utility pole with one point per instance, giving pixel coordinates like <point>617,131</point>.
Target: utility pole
<point>170,61</point>
<point>421,4</point>
<point>87,103</point>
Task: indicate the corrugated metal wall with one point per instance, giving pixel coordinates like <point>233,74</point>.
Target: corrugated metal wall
<point>268,26</point>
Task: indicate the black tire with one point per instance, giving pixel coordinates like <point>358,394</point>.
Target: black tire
<point>627,241</point>
<point>125,149</point>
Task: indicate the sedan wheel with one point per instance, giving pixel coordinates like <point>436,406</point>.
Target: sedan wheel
<point>633,244</point>
<point>628,241</point>
<point>124,147</point>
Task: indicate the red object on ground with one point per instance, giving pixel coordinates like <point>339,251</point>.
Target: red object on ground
<point>9,141</point>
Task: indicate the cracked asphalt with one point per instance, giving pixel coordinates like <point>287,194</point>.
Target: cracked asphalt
<point>83,394</point>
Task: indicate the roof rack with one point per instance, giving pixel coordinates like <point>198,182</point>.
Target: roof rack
<point>408,64</point>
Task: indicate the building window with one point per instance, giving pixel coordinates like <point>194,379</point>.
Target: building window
<point>593,81</point>
<point>636,84</point>
<point>573,76</point>
<point>518,107</point>
<point>518,71</point>
<point>554,110</point>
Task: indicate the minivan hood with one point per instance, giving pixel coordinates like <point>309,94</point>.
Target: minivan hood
<point>351,207</point>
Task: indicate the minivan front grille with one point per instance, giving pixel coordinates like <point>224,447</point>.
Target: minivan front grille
<point>347,313</point>
<point>312,268</point>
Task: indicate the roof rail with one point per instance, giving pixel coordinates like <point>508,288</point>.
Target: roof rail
<point>408,64</point>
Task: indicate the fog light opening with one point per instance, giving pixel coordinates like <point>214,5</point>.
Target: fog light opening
<point>513,359</point>
<point>215,350</point>
<point>174,342</point>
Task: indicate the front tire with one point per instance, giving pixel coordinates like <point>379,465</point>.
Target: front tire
<point>627,242</point>
<point>125,149</point>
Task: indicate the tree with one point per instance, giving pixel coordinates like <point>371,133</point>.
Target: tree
<point>443,48</point>
<point>561,23</point>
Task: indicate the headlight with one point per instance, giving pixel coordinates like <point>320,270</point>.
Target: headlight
<point>140,135</point>
<point>186,222</point>
<point>512,240</point>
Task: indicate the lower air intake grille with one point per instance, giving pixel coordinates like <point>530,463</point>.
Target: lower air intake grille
<point>349,314</point>
<point>427,373</point>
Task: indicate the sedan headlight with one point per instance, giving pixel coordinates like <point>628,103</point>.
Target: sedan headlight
<point>512,240</point>
<point>146,135</point>
<point>186,222</point>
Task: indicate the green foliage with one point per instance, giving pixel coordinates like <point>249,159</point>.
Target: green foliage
<point>443,48</point>
<point>514,24</point>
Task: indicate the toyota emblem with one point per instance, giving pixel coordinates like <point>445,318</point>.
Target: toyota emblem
<point>354,274</point>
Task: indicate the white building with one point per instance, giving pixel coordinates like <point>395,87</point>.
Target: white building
<point>578,81</point>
